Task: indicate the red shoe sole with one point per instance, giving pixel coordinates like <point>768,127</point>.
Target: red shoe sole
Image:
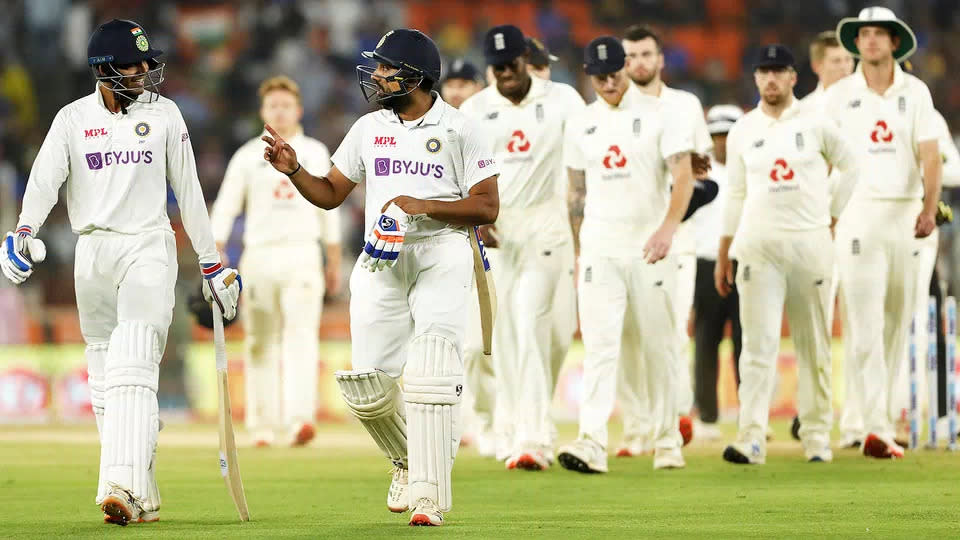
<point>874,447</point>
<point>624,452</point>
<point>305,435</point>
<point>421,520</point>
<point>686,429</point>
<point>528,463</point>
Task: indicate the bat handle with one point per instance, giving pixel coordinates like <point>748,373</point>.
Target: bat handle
<point>219,341</point>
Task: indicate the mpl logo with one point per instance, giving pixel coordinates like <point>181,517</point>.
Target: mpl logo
<point>614,158</point>
<point>94,133</point>
<point>781,171</point>
<point>881,133</point>
<point>383,142</point>
<point>518,142</point>
<point>389,167</point>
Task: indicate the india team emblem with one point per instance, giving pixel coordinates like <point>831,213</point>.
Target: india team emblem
<point>433,145</point>
<point>142,129</point>
<point>142,43</point>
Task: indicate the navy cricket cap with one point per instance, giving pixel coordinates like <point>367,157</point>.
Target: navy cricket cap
<point>539,55</point>
<point>603,55</point>
<point>773,56</point>
<point>120,42</point>
<point>461,69</point>
<point>502,44</point>
<point>405,48</point>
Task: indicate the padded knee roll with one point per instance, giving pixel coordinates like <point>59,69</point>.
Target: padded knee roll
<point>375,399</point>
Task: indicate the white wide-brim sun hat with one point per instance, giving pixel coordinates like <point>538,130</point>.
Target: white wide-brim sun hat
<point>877,16</point>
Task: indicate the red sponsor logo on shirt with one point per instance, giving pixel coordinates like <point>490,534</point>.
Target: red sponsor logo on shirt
<point>518,142</point>
<point>284,191</point>
<point>881,133</point>
<point>94,133</point>
<point>614,158</point>
<point>382,142</point>
<point>781,171</point>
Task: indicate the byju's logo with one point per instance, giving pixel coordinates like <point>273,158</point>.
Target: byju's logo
<point>98,160</point>
<point>484,163</point>
<point>389,167</point>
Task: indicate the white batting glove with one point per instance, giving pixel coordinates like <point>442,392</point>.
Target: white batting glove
<point>20,252</point>
<point>385,240</point>
<point>223,286</point>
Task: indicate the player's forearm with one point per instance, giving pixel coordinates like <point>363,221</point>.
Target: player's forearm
<point>478,209</point>
<point>334,255</point>
<point>37,204</point>
<point>576,201</point>
<point>318,190</point>
<point>682,190</point>
<point>932,178</point>
<point>723,252</point>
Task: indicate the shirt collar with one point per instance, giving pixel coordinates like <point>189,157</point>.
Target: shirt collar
<point>432,116</point>
<point>537,88</point>
<point>898,77</point>
<point>631,97</point>
<point>787,113</point>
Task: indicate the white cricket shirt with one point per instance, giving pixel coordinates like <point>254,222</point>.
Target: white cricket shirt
<point>116,167</point>
<point>438,157</point>
<point>275,211</point>
<point>884,131</point>
<point>777,172</point>
<point>528,141</point>
<point>622,151</point>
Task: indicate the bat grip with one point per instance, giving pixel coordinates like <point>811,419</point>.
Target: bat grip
<point>219,341</point>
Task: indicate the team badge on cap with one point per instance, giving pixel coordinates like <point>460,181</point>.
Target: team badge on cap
<point>142,129</point>
<point>433,145</point>
<point>142,43</point>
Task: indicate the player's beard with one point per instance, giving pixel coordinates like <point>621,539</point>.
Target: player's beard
<point>774,99</point>
<point>396,103</point>
<point>644,81</point>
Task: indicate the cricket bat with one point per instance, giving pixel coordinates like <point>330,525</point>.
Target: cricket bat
<point>229,467</point>
<point>486,294</point>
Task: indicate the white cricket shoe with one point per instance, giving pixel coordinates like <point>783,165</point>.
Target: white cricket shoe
<point>398,500</point>
<point>668,458</point>
<point>707,431</point>
<point>817,451</point>
<point>634,447</point>
<point>486,444</point>
<point>529,460</point>
<point>746,453</point>
<point>426,513</point>
<point>120,507</point>
<point>583,456</point>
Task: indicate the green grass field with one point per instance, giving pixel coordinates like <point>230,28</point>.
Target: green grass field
<point>337,488</point>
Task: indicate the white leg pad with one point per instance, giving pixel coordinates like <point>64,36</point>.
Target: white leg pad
<point>433,382</point>
<point>376,400</point>
<point>131,421</point>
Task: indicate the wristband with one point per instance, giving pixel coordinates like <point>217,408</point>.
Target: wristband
<point>293,172</point>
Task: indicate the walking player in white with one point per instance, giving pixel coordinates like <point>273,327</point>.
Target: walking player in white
<point>281,311</point>
<point>618,150</point>
<point>779,211</point>
<point>431,174</point>
<point>644,65</point>
<point>888,117</point>
<point>115,149</point>
<point>525,116</point>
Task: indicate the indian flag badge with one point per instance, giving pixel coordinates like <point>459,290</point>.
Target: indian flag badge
<point>136,31</point>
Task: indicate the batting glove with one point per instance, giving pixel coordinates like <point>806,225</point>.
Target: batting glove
<point>385,240</point>
<point>20,252</point>
<point>223,286</point>
<point>944,213</point>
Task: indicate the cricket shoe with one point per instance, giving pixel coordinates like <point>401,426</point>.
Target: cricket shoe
<point>398,500</point>
<point>120,507</point>
<point>708,431</point>
<point>668,458</point>
<point>745,453</point>
<point>851,441</point>
<point>532,460</point>
<point>685,424</point>
<point>304,435</point>
<point>426,514</point>
<point>795,428</point>
<point>583,456</point>
<point>877,447</point>
<point>817,451</point>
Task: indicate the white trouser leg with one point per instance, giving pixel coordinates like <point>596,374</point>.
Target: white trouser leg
<point>96,356</point>
<point>762,287</point>
<point>603,303</point>
<point>301,302</point>
<point>808,293</point>
<point>479,389</point>
<point>686,282</point>
<point>505,361</point>
<point>263,322</point>
<point>564,322</point>
<point>631,385</point>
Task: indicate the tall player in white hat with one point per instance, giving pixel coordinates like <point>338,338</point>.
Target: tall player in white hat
<point>780,207</point>
<point>618,151</point>
<point>281,312</point>
<point>888,117</point>
<point>528,246</point>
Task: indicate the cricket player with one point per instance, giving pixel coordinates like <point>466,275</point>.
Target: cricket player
<point>779,210</point>
<point>644,66</point>
<point>430,175</point>
<point>711,311</point>
<point>618,151</point>
<point>540,58</point>
<point>831,62</point>
<point>115,150</point>
<point>281,311</point>
<point>460,82</point>
<point>530,243</point>
<point>888,117</point>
